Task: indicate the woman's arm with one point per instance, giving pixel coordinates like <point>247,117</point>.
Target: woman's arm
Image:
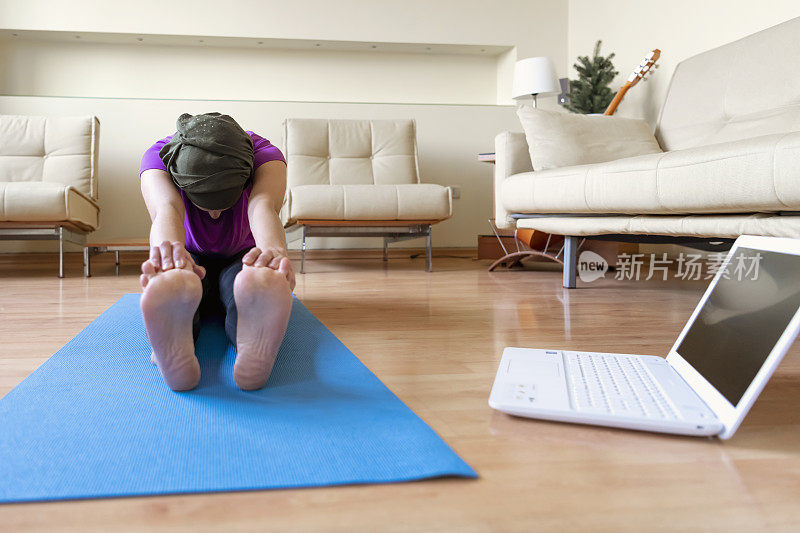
<point>264,207</point>
<point>164,205</point>
<point>263,211</point>
<point>167,237</point>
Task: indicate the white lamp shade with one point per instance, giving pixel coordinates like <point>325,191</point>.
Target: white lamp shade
<point>534,75</point>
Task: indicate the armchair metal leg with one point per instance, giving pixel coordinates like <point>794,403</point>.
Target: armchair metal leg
<point>61,251</point>
<point>46,232</point>
<point>428,252</point>
<point>392,232</point>
<point>569,280</point>
<point>87,271</point>
<point>303,254</point>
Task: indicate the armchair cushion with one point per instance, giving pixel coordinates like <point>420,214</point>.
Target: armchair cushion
<point>36,201</point>
<point>420,201</point>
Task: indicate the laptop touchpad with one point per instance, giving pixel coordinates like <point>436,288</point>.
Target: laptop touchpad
<point>534,367</point>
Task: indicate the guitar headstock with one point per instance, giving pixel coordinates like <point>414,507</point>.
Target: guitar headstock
<point>644,67</point>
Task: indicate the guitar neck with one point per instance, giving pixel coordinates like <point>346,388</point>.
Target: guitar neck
<point>612,107</point>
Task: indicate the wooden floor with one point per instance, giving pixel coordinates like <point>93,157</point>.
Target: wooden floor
<point>435,340</point>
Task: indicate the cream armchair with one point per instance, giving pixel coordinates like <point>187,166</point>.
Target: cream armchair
<point>359,178</point>
<point>48,179</point>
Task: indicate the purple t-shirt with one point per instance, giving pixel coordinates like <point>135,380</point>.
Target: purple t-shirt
<point>230,233</point>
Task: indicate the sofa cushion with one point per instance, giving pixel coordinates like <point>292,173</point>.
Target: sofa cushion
<point>46,202</point>
<point>370,202</point>
<point>749,175</point>
<point>743,89</point>
<point>565,139</point>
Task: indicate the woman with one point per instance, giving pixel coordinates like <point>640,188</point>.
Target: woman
<point>214,194</point>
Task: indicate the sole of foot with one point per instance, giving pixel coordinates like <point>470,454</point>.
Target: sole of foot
<point>263,305</point>
<point>168,306</point>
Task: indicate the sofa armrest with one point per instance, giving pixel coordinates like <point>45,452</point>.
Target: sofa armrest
<point>511,157</point>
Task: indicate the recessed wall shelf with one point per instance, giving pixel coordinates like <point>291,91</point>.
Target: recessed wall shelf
<point>72,64</point>
<point>236,100</point>
<point>246,42</point>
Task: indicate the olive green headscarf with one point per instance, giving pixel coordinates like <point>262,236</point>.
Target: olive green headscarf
<point>210,158</point>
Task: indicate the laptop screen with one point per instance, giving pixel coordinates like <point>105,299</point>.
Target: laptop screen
<point>742,319</point>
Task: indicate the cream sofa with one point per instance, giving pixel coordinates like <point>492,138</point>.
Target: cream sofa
<point>48,179</point>
<point>359,178</point>
<point>730,133</point>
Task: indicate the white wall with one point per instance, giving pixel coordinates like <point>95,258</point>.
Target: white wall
<point>138,88</point>
<point>532,27</point>
<point>680,28</point>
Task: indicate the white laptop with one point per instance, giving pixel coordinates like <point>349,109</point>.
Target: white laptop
<point>726,353</point>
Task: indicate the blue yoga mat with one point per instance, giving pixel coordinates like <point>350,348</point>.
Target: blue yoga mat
<point>96,420</point>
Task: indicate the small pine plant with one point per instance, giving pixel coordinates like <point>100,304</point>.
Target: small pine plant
<point>590,93</point>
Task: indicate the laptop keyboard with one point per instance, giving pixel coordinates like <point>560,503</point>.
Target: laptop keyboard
<point>615,384</point>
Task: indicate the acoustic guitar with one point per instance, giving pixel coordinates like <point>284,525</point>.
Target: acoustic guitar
<point>638,74</point>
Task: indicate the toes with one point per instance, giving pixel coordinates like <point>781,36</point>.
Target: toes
<point>148,268</point>
<point>251,256</point>
<point>285,268</point>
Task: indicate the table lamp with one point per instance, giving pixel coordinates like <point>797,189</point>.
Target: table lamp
<point>533,76</point>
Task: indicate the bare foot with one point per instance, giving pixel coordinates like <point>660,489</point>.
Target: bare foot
<point>263,304</point>
<point>168,305</point>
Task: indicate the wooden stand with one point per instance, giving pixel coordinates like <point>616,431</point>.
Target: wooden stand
<point>529,243</point>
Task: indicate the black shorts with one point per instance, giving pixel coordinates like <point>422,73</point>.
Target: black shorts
<point>218,290</point>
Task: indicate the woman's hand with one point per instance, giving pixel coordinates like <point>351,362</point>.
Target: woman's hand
<point>166,256</point>
<point>271,258</point>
